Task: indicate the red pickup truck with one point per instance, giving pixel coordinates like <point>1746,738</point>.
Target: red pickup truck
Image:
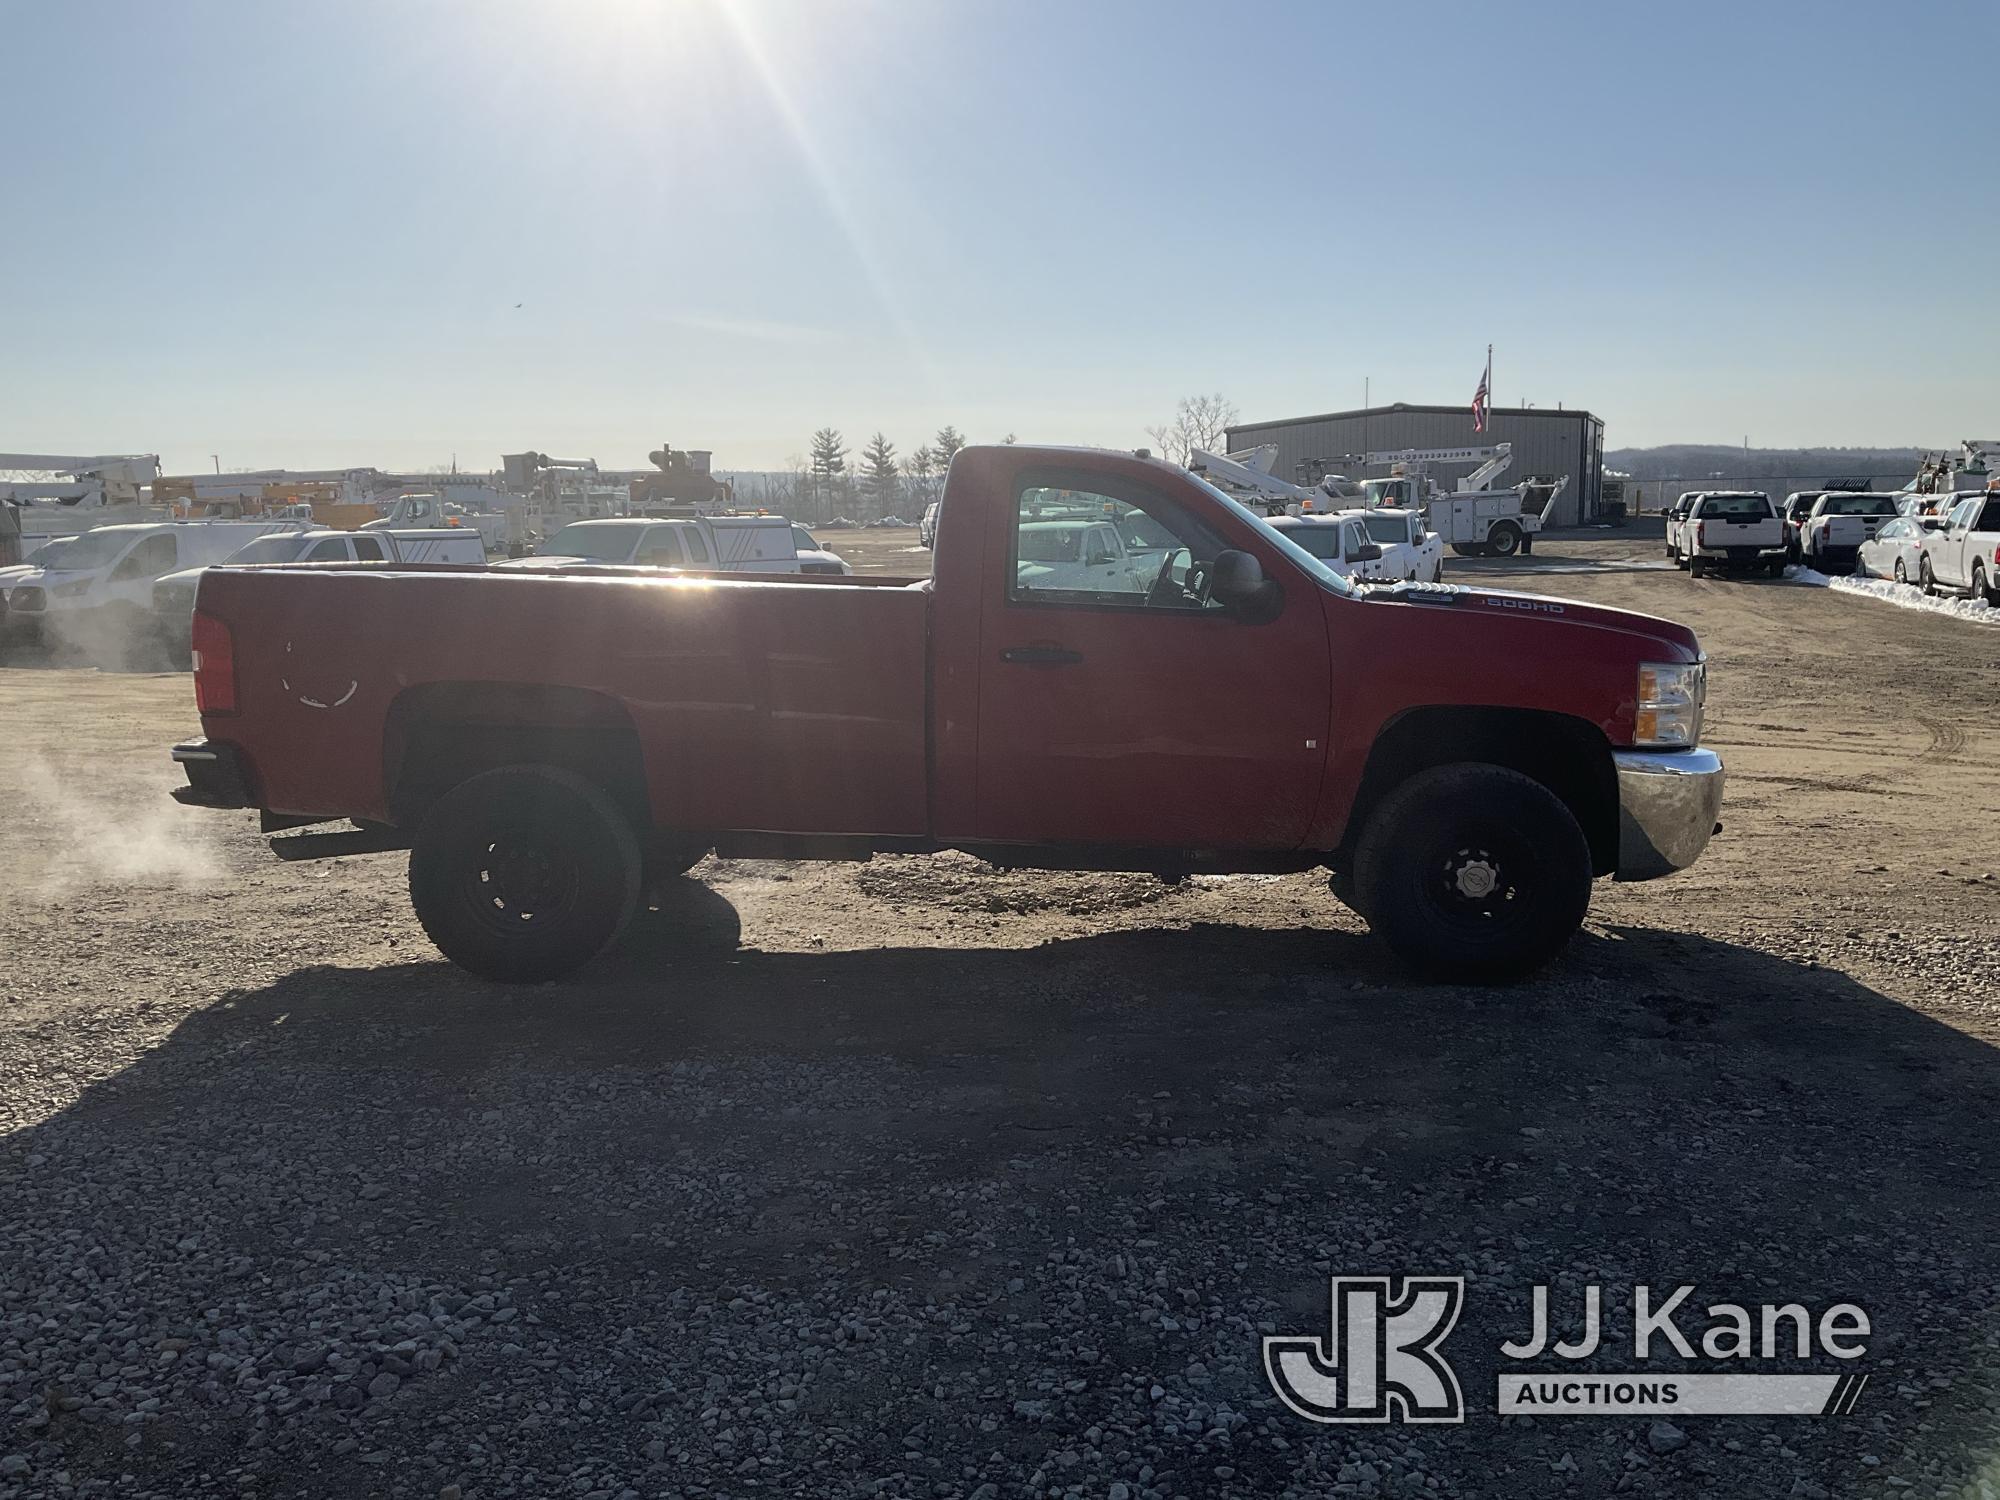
<point>1115,666</point>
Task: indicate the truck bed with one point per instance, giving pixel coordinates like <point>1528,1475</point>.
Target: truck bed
<point>789,706</point>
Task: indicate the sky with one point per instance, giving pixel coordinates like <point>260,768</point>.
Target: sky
<point>398,232</point>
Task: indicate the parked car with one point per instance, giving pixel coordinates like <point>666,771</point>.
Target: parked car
<point>1736,530</point>
<point>174,595</point>
<point>1798,505</point>
<point>1962,555</point>
<point>747,544</point>
<point>1462,761</point>
<point>927,526</point>
<point>1831,535</point>
<point>1896,550</point>
<point>815,558</point>
<point>1342,541</point>
<point>1410,549</point>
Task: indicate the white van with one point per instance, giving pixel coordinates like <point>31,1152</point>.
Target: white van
<point>110,570</point>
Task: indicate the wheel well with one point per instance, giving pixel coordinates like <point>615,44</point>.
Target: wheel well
<point>1567,755</point>
<point>442,734</point>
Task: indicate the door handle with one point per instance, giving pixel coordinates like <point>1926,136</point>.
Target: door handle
<point>1041,656</point>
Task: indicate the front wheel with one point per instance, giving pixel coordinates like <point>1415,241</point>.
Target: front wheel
<point>1901,575</point>
<point>524,873</point>
<point>1473,872</point>
<point>1926,579</point>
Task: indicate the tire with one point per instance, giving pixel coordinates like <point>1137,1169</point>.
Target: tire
<point>1437,571</point>
<point>1527,544</point>
<point>1441,835</point>
<point>1902,575</point>
<point>1979,588</point>
<point>524,873</point>
<point>1465,549</point>
<point>1926,579</point>
<point>1697,567</point>
<point>1503,540</point>
<point>1775,568</point>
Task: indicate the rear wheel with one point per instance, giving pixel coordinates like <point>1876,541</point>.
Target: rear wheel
<point>1926,579</point>
<point>524,873</point>
<point>1697,567</point>
<point>1901,575</point>
<point>1979,588</point>
<point>1473,872</point>
<point>1466,549</point>
<point>1504,540</point>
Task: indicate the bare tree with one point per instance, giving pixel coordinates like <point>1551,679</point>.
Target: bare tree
<point>1199,422</point>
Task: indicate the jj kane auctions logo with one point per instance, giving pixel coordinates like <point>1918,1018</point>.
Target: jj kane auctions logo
<point>1380,1359</point>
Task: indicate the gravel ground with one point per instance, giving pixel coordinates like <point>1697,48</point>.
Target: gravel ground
<point>920,1179</point>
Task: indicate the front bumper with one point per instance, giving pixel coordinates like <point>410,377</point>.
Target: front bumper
<point>1667,806</point>
<point>216,775</point>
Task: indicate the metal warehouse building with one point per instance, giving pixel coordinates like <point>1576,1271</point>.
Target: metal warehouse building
<point>1549,443</point>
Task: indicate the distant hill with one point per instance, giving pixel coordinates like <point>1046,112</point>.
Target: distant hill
<point>1696,460</point>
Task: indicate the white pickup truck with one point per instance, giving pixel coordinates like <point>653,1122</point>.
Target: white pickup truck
<point>1728,530</point>
<point>748,544</point>
<point>1963,554</point>
<point>1831,535</point>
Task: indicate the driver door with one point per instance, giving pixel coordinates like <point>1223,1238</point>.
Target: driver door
<point>1133,712</point>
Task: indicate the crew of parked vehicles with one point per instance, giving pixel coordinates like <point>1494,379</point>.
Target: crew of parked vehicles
<point>1946,543</point>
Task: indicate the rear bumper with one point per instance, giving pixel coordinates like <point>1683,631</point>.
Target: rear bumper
<point>216,775</point>
<point>1667,806</point>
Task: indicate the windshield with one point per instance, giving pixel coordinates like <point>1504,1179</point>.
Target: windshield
<point>594,543</point>
<point>1318,571</point>
<point>1387,529</point>
<point>1735,508</point>
<point>1143,534</point>
<point>45,555</point>
<point>266,549</point>
<point>94,549</point>
<point>1859,505</point>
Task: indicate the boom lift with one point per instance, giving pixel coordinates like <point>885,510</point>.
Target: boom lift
<point>1246,477</point>
<point>93,491</point>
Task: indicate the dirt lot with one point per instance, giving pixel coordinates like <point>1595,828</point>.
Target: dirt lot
<point>916,1179</point>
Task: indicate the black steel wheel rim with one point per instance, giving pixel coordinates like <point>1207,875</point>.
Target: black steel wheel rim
<point>517,883</point>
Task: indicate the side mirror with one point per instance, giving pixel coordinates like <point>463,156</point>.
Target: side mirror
<point>1237,579</point>
<point>1372,552</point>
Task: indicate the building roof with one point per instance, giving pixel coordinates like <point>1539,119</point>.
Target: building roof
<point>1403,406</point>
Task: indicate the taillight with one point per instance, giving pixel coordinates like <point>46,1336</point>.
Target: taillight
<point>1701,533</point>
<point>214,666</point>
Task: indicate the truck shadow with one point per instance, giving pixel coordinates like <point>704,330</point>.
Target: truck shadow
<point>1266,1105</point>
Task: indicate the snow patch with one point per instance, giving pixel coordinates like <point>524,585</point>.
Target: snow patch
<point>1904,595</point>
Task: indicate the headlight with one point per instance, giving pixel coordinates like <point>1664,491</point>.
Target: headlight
<point>72,590</point>
<point>1670,699</point>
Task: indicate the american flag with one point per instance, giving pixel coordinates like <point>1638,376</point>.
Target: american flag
<point>1482,395</point>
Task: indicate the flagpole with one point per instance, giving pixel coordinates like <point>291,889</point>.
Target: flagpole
<point>1489,380</point>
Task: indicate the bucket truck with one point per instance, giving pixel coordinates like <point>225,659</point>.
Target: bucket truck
<point>1476,518</point>
<point>92,491</point>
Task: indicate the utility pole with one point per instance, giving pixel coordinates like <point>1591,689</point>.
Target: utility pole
<point>216,459</point>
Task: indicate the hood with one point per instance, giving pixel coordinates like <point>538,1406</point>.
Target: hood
<point>187,576</point>
<point>1489,606</point>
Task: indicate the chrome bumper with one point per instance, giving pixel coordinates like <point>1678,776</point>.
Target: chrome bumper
<point>1667,806</point>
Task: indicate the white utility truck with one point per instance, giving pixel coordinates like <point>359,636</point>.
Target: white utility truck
<point>1474,518</point>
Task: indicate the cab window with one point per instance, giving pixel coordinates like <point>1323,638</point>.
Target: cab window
<point>368,549</point>
<point>152,557</point>
<point>659,549</point>
<point>333,549</point>
<point>1101,542</point>
<point>696,543</point>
